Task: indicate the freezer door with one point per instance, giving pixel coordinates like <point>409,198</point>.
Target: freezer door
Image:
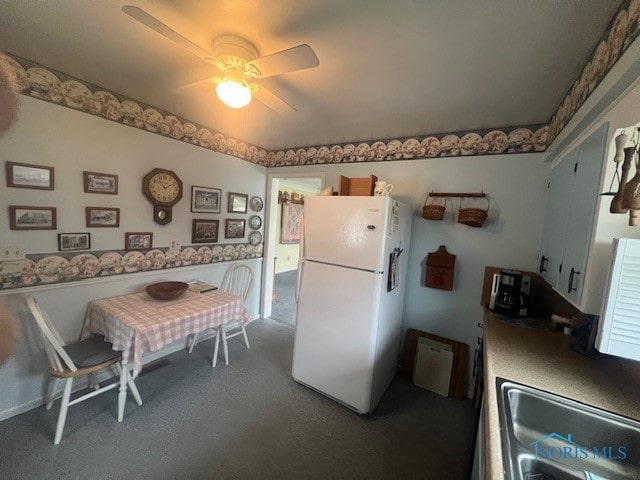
<point>335,338</point>
<point>348,231</point>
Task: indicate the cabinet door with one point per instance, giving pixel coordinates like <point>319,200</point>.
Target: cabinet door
<point>555,219</point>
<point>584,199</point>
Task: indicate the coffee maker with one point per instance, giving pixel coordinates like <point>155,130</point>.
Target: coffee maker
<point>510,293</point>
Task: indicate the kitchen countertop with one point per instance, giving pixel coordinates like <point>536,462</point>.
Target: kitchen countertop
<point>542,359</point>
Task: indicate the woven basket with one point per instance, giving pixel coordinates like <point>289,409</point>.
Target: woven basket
<point>474,217</point>
<point>432,211</point>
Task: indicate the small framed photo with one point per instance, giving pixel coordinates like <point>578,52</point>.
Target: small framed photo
<point>32,218</point>
<point>102,217</point>
<point>205,199</point>
<point>95,182</point>
<point>237,202</point>
<point>234,228</point>
<point>74,241</point>
<point>138,240</point>
<point>24,175</point>
<point>204,231</point>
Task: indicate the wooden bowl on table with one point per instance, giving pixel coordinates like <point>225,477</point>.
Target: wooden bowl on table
<point>166,290</point>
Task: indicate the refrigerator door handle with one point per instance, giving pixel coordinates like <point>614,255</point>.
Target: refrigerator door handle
<point>299,279</point>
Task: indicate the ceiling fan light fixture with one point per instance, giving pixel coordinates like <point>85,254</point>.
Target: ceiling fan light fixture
<point>233,91</point>
<point>233,94</point>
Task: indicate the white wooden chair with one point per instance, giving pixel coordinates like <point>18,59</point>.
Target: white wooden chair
<point>74,360</point>
<point>238,280</point>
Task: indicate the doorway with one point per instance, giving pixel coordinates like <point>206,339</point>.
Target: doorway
<point>282,251</point>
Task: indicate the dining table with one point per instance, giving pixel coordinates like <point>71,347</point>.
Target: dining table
<point>137,323</point>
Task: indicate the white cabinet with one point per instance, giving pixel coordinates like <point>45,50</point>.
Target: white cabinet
<point>570,215</point>
<point>555,219</point>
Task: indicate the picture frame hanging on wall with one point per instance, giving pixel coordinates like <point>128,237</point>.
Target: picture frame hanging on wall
<point>25,175</point>
<point>23,217</point>
<point>204,230</point>
<point>100,217</point>
<point>138,241</point>
<point>237,202</point>
<point>205,199</point>
<point>234,228</point>
<point>95,182</point>
<point>74,241</point>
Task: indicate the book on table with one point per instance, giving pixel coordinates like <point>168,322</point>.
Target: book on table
<point>198,286</point>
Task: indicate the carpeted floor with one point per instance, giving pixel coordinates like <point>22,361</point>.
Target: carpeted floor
<point>248,420</point>
<point>283,309</point>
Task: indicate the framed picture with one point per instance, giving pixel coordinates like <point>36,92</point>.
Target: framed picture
<point>102,217</point>
<point>237,202</point>
<point>234,228</point>
<point>204,231</point>
<point>74,241</point>
<point>24,175</point>
<point>95,182</point>
<point>205,199</point>
<point>138,240</point>
<point>32,218</point>
<point>291,223</point>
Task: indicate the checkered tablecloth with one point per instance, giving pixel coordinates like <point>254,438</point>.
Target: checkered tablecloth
<point>138,323</point>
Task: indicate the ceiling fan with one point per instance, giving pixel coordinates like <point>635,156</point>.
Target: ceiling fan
<point>238,60</point>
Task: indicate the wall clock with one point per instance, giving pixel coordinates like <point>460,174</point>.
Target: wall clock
<point>164,189</point>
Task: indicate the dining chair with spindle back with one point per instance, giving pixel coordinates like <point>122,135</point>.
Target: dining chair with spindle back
<point>69,361</point>
<point>238,280</point>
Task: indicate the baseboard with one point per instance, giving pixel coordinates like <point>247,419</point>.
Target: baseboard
<point>81,384</point>
<point>18,409</point>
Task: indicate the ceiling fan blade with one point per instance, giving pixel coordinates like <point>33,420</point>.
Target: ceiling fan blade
<point>289,60</point>
<point>198,83</point>
<point>157,26</point>
<point>272,101</point>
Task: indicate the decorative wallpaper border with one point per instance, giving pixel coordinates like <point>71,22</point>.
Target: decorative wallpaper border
<point>479,142</point>
<point>63,267</point>
<point>56,87</point>
<point>623,29</point>
<point>52,86</point>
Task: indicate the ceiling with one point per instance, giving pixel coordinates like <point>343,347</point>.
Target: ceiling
<point>387,69</point>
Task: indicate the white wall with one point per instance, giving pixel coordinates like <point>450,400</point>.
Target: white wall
<point>516,185</point>
<point>71,142</point>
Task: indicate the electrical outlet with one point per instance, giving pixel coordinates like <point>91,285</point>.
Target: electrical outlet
<point>11,252</point>
<point>175,245</point>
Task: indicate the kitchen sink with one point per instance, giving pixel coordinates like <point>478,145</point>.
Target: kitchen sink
<point>549,437</point>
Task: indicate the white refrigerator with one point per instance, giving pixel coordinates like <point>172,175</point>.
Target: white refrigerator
<point>350,292</point>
